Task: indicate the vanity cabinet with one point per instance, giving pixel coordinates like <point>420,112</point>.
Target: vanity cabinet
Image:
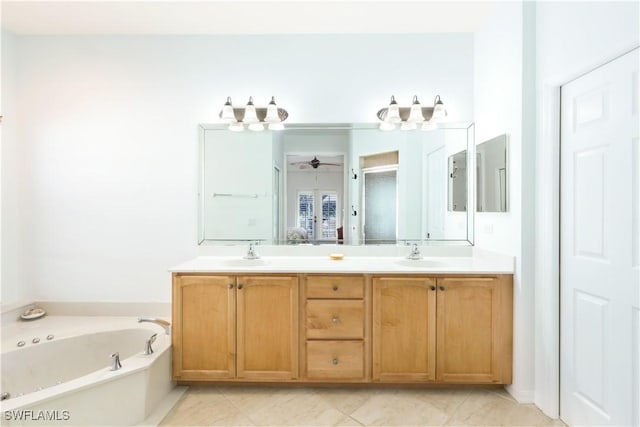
<point>235,327</point>
<point>335,334</point>
<point>446,330</point>
<point>343,328</point>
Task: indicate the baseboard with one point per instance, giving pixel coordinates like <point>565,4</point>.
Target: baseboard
<point>521,396</point>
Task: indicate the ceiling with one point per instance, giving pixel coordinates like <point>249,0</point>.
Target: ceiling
<point>242,17</point>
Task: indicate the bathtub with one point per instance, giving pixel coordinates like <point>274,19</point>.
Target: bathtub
<point>62,374</point>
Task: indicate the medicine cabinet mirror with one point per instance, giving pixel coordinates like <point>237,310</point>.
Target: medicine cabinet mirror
<point>491,177</point>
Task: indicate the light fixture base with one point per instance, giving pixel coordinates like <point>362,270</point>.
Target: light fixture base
<point>260,112</point>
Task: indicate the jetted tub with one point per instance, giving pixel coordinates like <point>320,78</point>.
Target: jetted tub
<point>62,374</point>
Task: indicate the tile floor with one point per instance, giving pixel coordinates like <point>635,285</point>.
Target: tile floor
<point>271,406</point>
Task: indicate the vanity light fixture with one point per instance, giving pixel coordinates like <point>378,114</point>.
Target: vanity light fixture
<point>410,117</point>
<point>255,117</point>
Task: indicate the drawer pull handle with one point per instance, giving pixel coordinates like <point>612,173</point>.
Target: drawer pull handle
<point>230,286</point>
<point>335,319</point>
<point>442,288</point>
<point>433,288</point>
<point>335,287</point>
<point>240,286</point>
<point>334,361</point>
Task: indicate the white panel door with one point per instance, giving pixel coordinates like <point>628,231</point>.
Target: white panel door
<point>599,256</point>
<point>436,194</point>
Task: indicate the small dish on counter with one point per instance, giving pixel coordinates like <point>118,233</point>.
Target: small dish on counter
<point>336,257</point>
<point>33,313</point>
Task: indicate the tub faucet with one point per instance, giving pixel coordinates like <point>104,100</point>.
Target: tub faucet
<point>115,359</point>
<point>414,254</point>
<point>251,252</point>
<point>147,348</point>
<point>166,325</point>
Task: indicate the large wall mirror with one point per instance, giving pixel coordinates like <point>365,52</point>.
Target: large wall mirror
<point>345,183</point>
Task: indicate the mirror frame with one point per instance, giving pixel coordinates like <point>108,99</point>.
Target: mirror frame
<point>469,127</point>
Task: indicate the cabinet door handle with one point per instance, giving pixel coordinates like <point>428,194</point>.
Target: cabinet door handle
<point>334,361</point>
<point>433,288</point>
<point>442,288</point>
<point>240,286</point>
<point>335,287</point>
<point>335,319</point>
<point>230,286</point>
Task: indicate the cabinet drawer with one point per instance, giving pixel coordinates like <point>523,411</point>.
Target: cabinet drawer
<point>335,287</point>
<point>335,319</point>
<point>335,359</point>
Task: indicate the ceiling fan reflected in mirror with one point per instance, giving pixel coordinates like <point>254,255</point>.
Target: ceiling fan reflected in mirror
<point>313,163</point>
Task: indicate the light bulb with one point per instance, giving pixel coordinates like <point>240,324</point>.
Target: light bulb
<point>393,112</point>
<point>408,126</point>
<point>439,112</point>
<point>386,126</point>
<point>227,115</point>
<point>415,114</point>
<point>276,126</point>
<point>272,112</point>
<point>256,127</point>
<point>236,127</point>
<point>250,112</point>
<point>428,125</point>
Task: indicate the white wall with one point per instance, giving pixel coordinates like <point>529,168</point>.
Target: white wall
<point>572,38</point>
<point>16,188</point>
<point>110,147</point>
<point>501,80</point>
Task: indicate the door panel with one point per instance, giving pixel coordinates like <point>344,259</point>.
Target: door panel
<point>598,270</point>
<point>267,324</point>
<point>404,328</point>
<point>204,336</point>
<point>474,326</point>
<point>436,198</point>
<point>380,206</point>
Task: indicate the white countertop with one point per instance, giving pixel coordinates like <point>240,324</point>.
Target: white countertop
<point>476,264</point>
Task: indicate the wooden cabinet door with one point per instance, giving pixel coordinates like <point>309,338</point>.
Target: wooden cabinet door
<point>203,337</point>
<point>474,330</point>
<point>267,327</point>
<point>404,329</point>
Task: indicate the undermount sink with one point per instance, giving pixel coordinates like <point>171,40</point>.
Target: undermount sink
<point>243,262</point>
<point>419,263</point>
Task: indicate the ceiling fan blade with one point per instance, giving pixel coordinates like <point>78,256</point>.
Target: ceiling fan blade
<point>330,164</point>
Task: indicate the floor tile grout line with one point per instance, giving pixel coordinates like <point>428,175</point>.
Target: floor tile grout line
<point>253,423</point>
<point>453,413</point>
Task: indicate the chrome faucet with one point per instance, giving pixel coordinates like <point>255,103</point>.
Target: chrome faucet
<point>251,252</point>
<point>166,325</point>
<point>414,254</point>
<point>147,348</point>
<point>115,359</point>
